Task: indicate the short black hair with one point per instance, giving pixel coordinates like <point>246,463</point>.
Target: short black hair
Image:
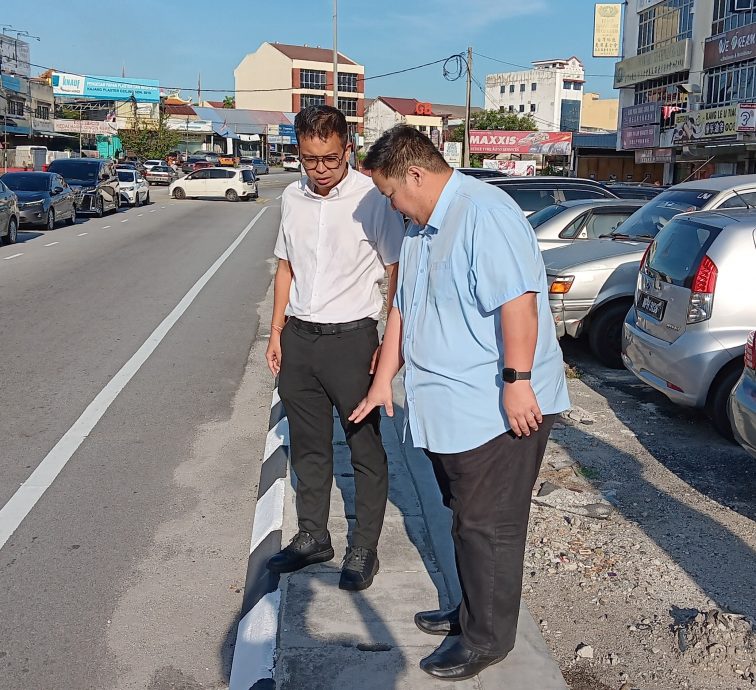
<point>401,147</point>
<point>321,121</point>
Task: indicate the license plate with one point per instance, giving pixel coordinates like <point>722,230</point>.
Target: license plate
<point>653,306</point>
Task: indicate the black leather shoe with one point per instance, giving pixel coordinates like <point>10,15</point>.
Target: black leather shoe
<point>457,662</point>
<point>358,569</point>
<point>302,550</point>
<point>439,622</point>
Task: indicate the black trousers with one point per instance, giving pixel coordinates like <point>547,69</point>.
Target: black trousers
<point>488,490</point>
<point>318,373</point>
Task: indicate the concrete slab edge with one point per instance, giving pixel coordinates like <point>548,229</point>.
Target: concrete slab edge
<point>256,636</point>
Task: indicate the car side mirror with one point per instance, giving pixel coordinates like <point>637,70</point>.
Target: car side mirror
<point>57,190</point>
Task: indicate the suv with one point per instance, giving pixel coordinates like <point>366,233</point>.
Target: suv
<point>94,180</point>
<point>592,283</point>
<point>290,162</point>
<point>231,183</point>
<point>534,193</point>
<point>686,332</point>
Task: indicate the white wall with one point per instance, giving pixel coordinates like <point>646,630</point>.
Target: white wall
<point>266,68</point>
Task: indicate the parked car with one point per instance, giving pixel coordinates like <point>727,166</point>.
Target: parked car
<point>482,173</point>
<point>228,159</point>
<point>638,190</point>
<point>257,164</point>
<point>532,194</point>
<point>9,215</point>
<point>231,184</point>
<point>94,180</point>
<point>209,156</point>
<point>161,174</point>
<point>592,284</point>
<point>743,400</point>
<point>132,165</point>
<point>44,198</point>
<point>686,332</point>
<point>583,219</point>
<point>291,162</point>
<point>134,188</point>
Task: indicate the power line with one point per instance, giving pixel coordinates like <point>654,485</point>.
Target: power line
<point>529,68</point>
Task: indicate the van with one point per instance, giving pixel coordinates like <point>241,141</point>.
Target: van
<point>31,157</point>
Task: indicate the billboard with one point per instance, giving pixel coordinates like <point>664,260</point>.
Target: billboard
<point>646,137</point>
<point>498,141</point>
<point>85,127</point>
<point>639,115</point>
<point>711,123</point>
<point>14,56</point>
<point>737,45</point>
<point>514,168</point>
<point>607,23</point>
<point>668,59</point>
<point>105,88</point>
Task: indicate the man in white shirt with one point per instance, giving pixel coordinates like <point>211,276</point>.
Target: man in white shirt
<point>337,240</point>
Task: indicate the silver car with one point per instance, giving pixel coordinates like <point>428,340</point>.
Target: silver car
<point>743,400</point>
<point>592,283</point>
<point>686,333</point>
<point>583,219</point>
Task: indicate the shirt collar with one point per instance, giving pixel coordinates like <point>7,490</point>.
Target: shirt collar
<point>444,201</point>
<point>337,191</point>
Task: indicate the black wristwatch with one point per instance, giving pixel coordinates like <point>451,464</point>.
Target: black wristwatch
<point>512,375</point>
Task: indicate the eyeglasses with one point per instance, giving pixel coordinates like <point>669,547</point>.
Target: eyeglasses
<point>331,162</point>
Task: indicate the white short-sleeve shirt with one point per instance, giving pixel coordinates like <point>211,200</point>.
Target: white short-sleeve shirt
<point>338,247</point>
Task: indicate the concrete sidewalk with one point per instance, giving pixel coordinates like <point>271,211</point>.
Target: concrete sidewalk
<point>329,638</point>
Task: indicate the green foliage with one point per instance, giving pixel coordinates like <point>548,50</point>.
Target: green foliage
<point>148,139</point>
<point>229,102</point>
<point>493,119</point>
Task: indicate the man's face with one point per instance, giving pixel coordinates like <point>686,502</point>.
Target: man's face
<point>401,194</point>
<point>322,175</point>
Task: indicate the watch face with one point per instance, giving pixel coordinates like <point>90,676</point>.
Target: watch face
<point>509,375</point>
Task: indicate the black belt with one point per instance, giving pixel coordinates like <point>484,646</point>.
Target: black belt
<point>331,328</point>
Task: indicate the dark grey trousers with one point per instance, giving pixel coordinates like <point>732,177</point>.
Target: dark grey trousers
<point>488,490</point>
<point>319,372</point>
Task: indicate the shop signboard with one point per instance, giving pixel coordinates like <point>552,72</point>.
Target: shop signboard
<point>737,45</point>
<point>105,88</point>
<point>639,115</point>
<point>653,156</point>
<point>453,153</point>
<point>84,127</point>
<point>746,117</point>
<point>497,141</point>
<point>607,24</point>
<point>711,123</point>
<point>668,59</point>
<point>516,168</point>
<point>646,137</point>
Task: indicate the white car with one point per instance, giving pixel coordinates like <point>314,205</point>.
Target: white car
<point>229,183</point>
<point>291,163</point>
<point>148,165</point>
<point>135,190</point>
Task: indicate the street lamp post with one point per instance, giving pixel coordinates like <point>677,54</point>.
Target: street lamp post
<point>335,53</point>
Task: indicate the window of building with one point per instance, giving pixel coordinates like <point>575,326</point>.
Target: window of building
<point>577,86</point>
<point>522,88</point>
<point>312,79</point>
<point>511,88</point>
<point>502,89</point>
<point>16,108</point>
<point>511,108</point>
<point>532,107</point>
<point>42,111</point>
<point>664,90</point>
<point>724,19</point>
<point>348,83</point>
<point>668,22</point>
<point>731,84</point>
<point>533,86</point>
<point>348,106</point>
<point>522,108</point>
<point>307,100</point>
<point>567,85</point>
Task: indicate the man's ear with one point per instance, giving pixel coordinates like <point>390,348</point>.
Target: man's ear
<point>416,174</point>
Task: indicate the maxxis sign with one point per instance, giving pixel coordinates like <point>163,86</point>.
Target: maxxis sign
<point>499,141</point>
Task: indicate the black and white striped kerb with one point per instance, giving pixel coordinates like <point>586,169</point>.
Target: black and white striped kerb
<point>254,653</point>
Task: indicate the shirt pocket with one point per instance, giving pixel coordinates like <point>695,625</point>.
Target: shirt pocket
<point>441,281</point>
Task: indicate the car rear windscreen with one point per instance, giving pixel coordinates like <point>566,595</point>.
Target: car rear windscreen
<point>653,216</point>
<point>678,250</point>
<point>248,176</point>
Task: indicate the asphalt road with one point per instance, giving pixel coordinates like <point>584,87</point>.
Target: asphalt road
<point>125,572</point>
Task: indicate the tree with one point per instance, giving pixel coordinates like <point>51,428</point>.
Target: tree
<point>150,139</point>
<point>229,102</point>
<point>493,119</point>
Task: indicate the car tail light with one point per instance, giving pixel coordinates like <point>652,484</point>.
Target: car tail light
<point>561,285</point>
<point>702,292</point>
<point>750,351</point>
<point>645,255</point>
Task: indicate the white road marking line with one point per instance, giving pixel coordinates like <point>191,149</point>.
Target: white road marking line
<point>51,244</point>
<point>105,227</point>
<point>26,496</point>
<point>278,197</point>
<point>13,256</point>
<point>125,220</point>
<point>139,215</point>
<point>152,211</point>
<point>162,207</point>
<point>81,234</point>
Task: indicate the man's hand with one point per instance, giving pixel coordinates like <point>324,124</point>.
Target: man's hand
<point>379,394</point>
<point>521,407</point>
<point>374,361</point>
<point>273,353</point>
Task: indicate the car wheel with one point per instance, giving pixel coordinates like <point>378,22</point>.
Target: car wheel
<point>147,198</point>
<point>99,209</point>
<point>719,394</point>
<point>137,202</point>
<point>50,220</point>
<point>231,195</point>
<point>72,219</point>
<point>12,235</point>
<point>605,334</point>
<point>179,193</point>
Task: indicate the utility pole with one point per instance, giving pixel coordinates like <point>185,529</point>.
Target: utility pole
<point>466,142</point>
<point>335,53</point>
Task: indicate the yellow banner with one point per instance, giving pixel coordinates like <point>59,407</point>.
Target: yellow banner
<point>607,23</point>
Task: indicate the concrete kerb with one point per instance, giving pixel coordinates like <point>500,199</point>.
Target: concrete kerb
<point>256,638</point>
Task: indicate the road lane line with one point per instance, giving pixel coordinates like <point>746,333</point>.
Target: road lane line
<point>81,234</point>
<point>152,211</point>
<point>13,256</point>
<point>51,244</point>
<point>139,215</point>
<point>125,220</point>
<point>278,197</point>
<point>105,227</point>
<point>12,514</point>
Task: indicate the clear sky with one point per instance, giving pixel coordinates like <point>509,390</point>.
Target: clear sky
<point>174,40</point>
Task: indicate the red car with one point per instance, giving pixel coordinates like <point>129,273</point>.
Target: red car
<point>198,165</point>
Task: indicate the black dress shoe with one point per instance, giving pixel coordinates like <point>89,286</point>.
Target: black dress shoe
<point>358,569</point>
<point>457,662</point>
<point>439,622</point>
<point>302,550</point>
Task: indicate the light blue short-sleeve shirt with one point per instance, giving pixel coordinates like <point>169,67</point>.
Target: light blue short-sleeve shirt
<point>476,253</point>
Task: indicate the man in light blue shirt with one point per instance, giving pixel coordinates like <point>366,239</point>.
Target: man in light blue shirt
<point>483,375</point>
